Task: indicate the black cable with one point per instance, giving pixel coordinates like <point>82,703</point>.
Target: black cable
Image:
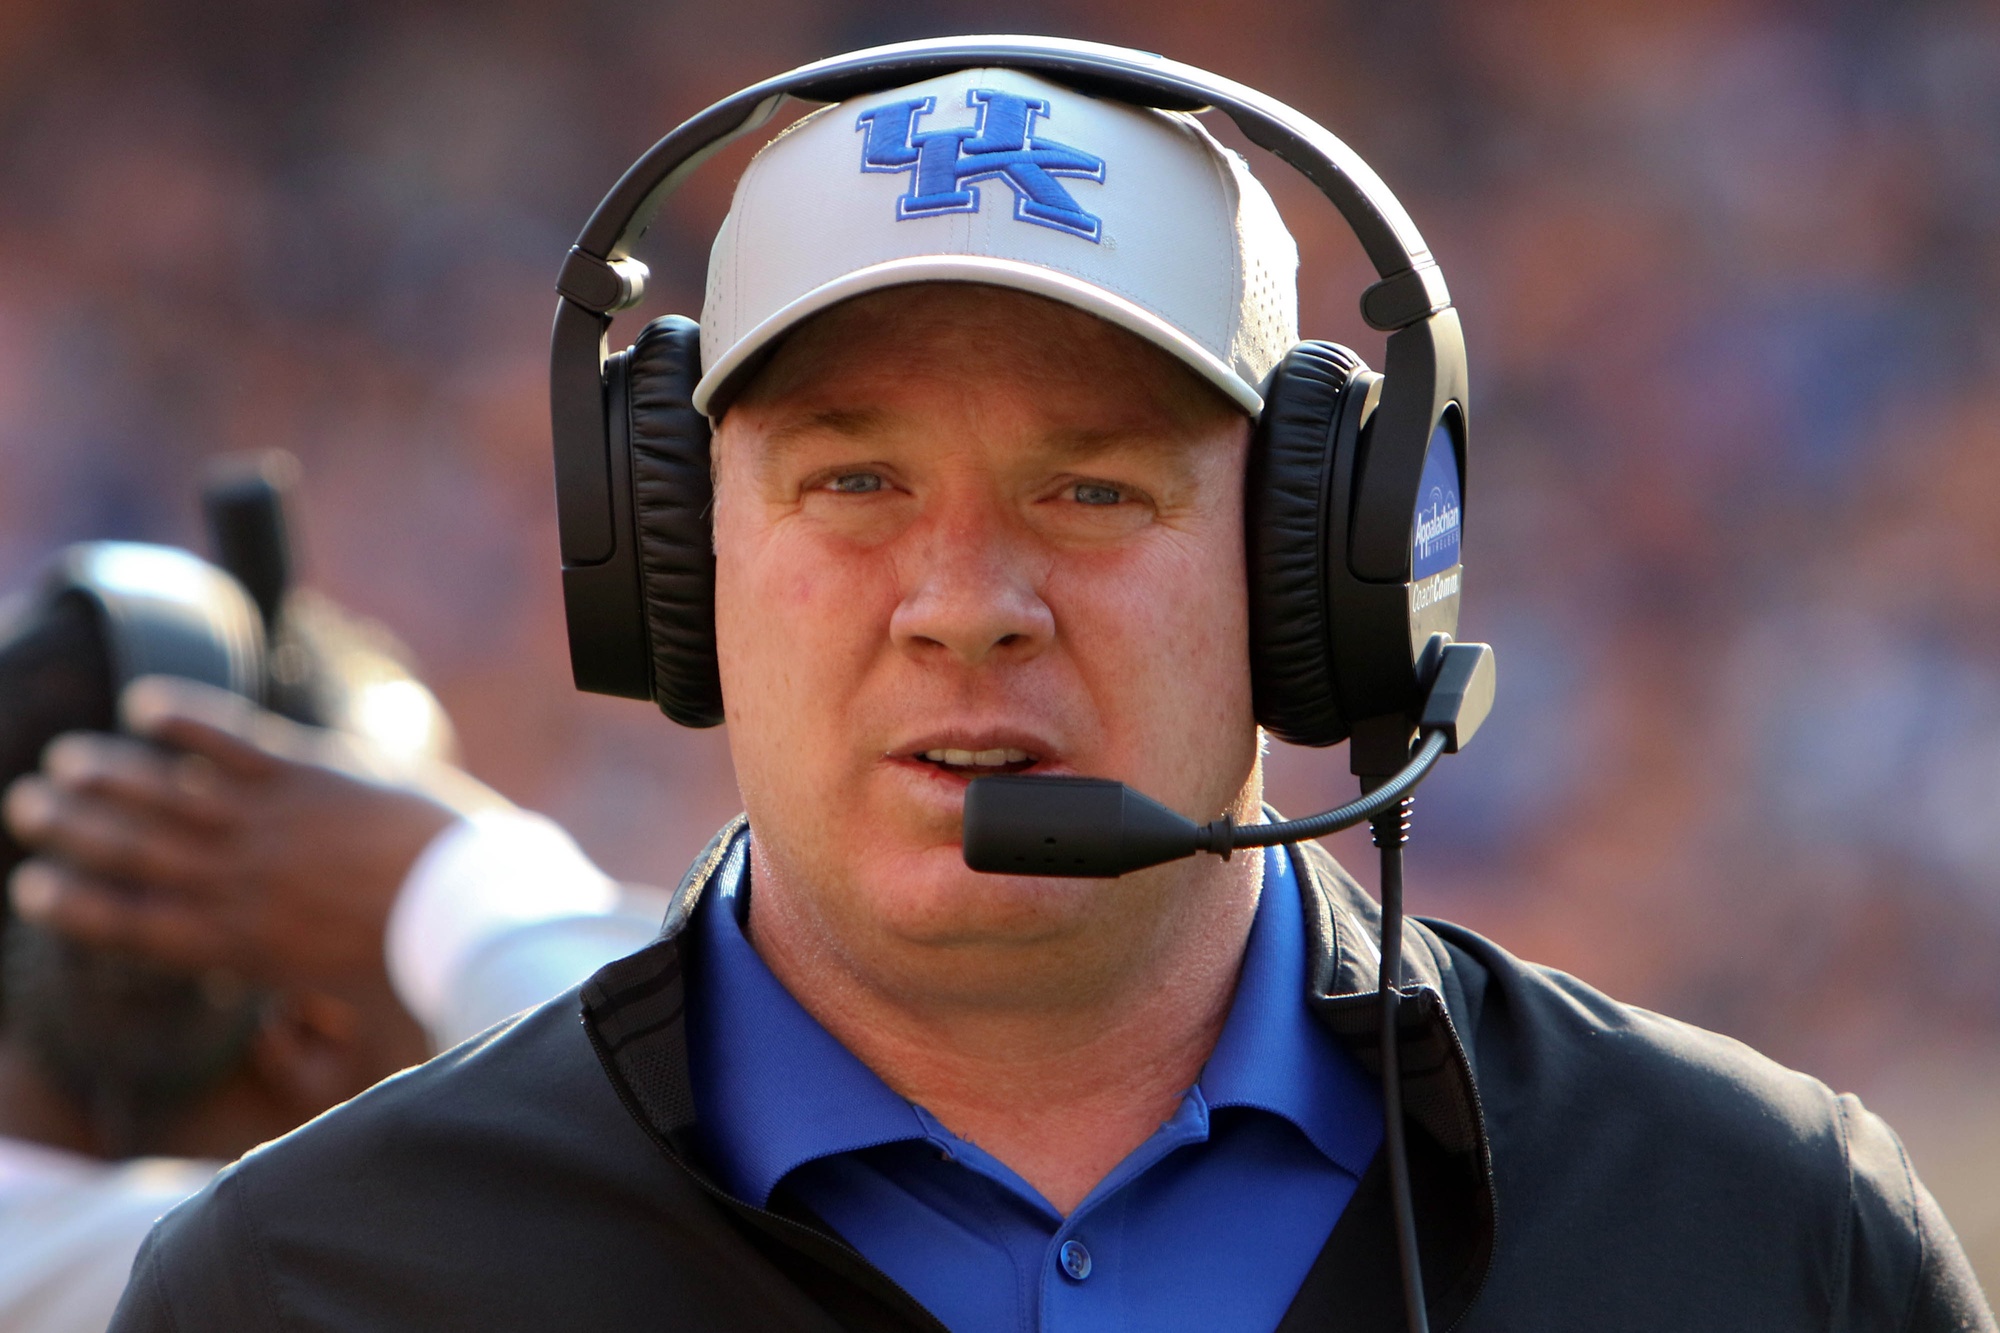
<point>1391,829</point>
<point>1224,835</point>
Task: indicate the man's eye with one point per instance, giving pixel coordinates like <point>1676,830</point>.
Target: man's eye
<point>856,483</point>
<point>1097,493</point>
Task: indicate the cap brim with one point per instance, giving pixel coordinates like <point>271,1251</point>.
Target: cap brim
<point>995,273</point>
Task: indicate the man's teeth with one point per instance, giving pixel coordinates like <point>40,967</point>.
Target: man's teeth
<point>975,758</point>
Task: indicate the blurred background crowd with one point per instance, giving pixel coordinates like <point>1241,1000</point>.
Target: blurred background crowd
<point>1729,273</point>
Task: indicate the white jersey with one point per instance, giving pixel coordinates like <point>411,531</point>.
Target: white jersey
<point>500,912</point>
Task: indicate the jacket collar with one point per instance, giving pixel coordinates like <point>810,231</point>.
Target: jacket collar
<point>634,1011</point>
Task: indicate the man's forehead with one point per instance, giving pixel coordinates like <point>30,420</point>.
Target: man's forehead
<point>863,366</point>
<point>1057,440</point>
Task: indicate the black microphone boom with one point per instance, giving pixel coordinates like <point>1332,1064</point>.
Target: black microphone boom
<point>1097,828</point>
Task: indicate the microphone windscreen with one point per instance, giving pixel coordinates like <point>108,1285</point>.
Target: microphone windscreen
<point>1084,828</point>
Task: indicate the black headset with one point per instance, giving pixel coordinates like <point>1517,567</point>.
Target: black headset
<point>1346,622</point>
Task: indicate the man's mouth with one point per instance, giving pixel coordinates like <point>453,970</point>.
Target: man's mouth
<point>974,763</point>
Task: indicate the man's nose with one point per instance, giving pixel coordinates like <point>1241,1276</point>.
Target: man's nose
<point>971,588</point>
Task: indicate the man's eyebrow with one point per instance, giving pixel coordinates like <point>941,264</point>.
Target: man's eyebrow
<point>847,421</point>
<point>1088,442</point>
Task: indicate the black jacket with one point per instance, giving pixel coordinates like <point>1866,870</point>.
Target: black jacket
<point>1579,1164</point>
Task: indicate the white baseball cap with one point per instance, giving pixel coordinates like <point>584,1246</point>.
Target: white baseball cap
<point>995,176</point>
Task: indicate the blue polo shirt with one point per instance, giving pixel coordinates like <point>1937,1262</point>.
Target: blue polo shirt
<point>1211,1224</point>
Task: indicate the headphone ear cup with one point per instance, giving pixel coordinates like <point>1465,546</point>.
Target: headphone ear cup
<point>1288,515</point>
<point>673,494</point>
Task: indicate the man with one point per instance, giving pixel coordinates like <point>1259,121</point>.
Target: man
<point>971,516</point>
<point>199,960</point>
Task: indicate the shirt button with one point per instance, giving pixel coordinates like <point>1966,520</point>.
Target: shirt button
<point>1075,1259</point>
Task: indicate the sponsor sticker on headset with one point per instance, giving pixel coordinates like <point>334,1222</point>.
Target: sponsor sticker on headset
<point>1434,544</point>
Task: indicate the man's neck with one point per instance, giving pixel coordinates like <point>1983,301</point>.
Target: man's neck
<point>1061,1088</point>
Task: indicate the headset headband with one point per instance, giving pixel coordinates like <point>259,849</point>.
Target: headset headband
<point>1426,356</point>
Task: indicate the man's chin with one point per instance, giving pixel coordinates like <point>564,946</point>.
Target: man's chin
<point>905,912</point>
<point>928,898</point>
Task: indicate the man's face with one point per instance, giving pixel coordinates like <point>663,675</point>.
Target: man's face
<point>961,530</point>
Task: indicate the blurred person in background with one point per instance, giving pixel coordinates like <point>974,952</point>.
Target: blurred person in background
<point>225,921</point>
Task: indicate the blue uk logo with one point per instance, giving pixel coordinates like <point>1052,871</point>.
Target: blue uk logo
<point>947,164</point>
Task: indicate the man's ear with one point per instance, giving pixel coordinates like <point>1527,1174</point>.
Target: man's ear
<point>314,1050</point>
<point>305,1051</point>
